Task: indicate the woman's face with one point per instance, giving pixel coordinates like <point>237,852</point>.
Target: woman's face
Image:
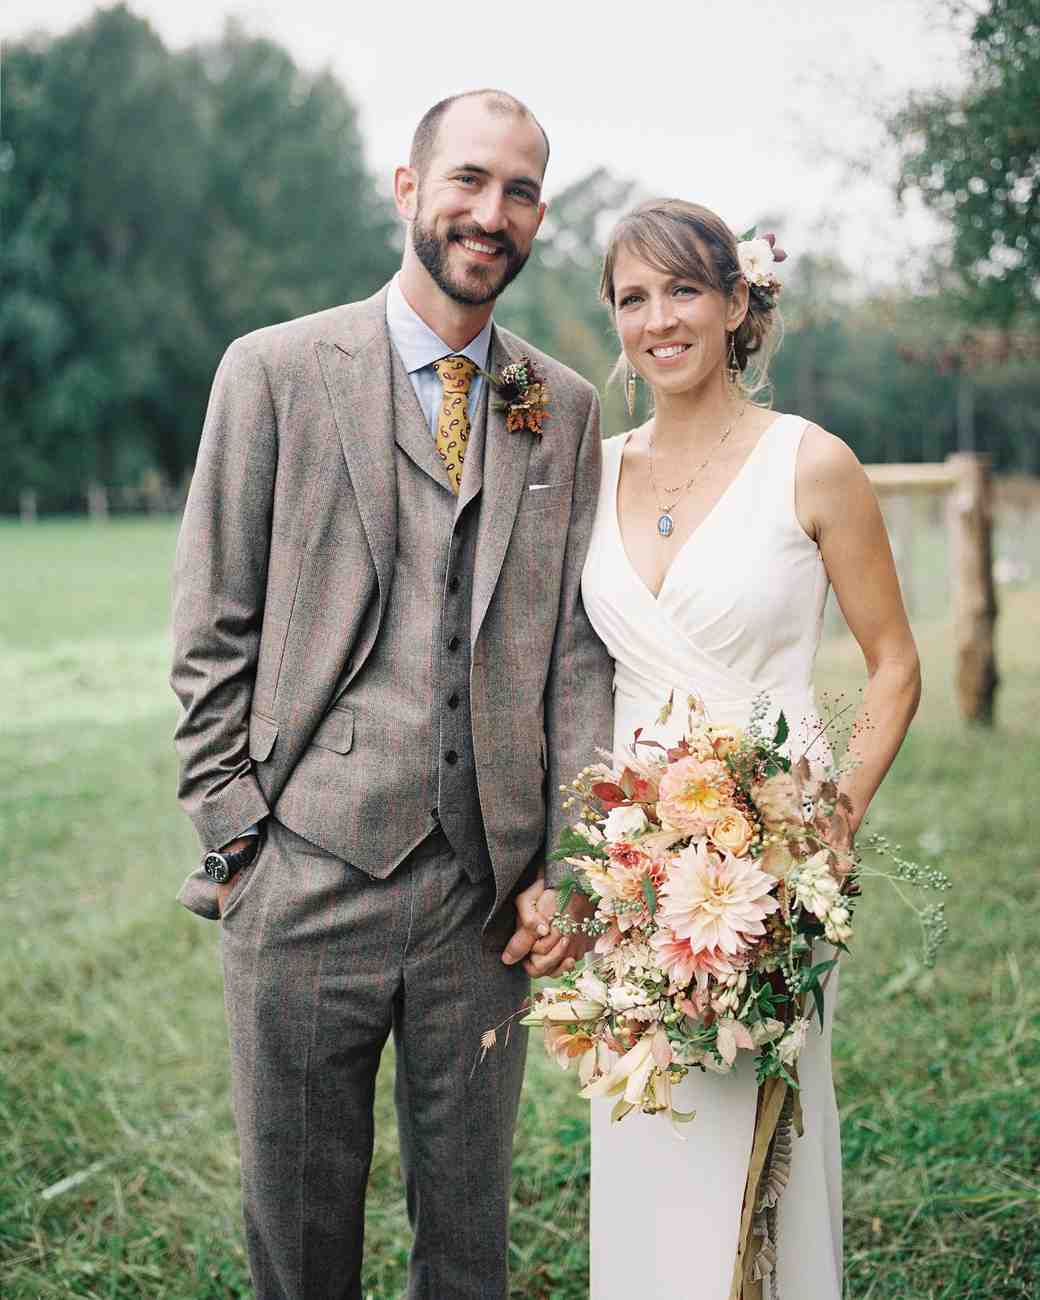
<point>674,331</point>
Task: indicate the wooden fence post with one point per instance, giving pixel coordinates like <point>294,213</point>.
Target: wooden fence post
<point>970,520</point>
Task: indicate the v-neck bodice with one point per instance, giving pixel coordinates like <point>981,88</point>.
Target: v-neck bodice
<point>739,612</point>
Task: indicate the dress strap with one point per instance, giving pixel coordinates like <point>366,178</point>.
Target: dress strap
<point>779,467</point>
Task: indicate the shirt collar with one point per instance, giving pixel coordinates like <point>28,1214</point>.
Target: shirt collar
<point>417,345</point>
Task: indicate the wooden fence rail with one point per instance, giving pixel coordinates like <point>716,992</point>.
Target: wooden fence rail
<point>965,480</point>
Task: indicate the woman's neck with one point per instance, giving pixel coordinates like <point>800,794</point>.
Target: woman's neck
<point>694,420</point>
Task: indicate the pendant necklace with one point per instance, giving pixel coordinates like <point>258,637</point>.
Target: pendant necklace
<point>665,522</point>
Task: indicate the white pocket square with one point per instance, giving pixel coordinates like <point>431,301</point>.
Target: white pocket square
<point>537,487</point>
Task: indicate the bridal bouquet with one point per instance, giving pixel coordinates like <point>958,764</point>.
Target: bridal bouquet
<point>711,875</point>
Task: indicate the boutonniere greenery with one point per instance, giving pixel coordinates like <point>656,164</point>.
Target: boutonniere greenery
<point>524,396</point>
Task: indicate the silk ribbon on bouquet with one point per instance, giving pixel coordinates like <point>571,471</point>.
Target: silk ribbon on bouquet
<point>779,1112</point>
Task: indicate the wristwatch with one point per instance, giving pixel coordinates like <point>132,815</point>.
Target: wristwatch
<point>220,867</point>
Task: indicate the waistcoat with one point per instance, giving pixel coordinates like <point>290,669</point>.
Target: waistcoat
<point>411,700</point>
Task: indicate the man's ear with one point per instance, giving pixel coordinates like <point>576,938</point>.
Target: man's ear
<point>542,208</point>
<point>406,192</point>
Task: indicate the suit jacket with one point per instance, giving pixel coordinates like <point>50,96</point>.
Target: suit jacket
<point>285,560</point>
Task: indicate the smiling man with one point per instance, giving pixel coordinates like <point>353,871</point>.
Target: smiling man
<point>384,663</point>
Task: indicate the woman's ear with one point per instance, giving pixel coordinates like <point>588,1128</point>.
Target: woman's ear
<point>737,305</point>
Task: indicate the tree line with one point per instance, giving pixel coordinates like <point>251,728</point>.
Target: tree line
<point>158,203</point>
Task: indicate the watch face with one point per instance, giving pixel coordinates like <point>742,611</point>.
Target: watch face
<point>215,866</point>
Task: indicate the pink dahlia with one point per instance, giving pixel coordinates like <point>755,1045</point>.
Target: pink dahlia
<point>716,903</point>
<point>693,792</point>
<point>682,965</point>
<point>629,867</point>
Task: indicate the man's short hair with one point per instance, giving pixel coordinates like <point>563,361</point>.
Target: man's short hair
<point>498,101</point>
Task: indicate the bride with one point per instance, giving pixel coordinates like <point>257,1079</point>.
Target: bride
<point>720,526</point>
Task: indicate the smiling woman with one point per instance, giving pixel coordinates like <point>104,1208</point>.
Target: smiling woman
<point>691,250</point>
<point>720,526</point>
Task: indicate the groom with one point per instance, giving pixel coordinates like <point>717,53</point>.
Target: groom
<point>386,672</point>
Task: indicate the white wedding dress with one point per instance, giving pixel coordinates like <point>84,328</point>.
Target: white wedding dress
<point>739,613</point>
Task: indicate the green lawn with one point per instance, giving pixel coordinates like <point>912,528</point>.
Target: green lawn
<point>113,1072</point>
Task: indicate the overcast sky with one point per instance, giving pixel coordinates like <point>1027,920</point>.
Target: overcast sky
<point>748,107</point>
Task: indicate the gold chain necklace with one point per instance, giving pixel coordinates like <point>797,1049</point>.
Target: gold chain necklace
<point>665,522</point>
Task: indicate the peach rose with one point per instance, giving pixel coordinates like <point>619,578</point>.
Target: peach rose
<point>732,832</point>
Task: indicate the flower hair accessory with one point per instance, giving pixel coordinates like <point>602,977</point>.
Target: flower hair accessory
<point>524,394</point>
<point>757,256</point>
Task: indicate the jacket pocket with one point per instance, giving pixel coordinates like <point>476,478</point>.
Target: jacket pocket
<point>335,731</point>
<point>263,732</point>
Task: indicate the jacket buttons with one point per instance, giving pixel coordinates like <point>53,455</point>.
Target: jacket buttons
<point>435,814</point>
<point>453,583</point>
<point>454,643</point>
<point>451,757</point>
<point>453,700</point>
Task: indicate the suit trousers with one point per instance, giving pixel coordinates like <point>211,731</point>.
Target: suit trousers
<point>321,963</point>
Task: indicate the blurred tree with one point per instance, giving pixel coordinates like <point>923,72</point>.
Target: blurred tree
<point>974,156</point>
<point>101,138</point>
<point>156,205</point>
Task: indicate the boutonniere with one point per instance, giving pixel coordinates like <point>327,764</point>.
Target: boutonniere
<point>524,394</point>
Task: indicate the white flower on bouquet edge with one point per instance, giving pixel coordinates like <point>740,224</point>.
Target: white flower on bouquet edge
<point>624,823</point>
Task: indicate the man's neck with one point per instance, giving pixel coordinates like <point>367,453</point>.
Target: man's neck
<point>456,323</point>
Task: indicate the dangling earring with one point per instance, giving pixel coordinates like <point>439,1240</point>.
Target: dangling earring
<point>732,369</point>
<point>630,391</point>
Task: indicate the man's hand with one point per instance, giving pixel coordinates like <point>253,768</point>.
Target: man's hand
<point>543,950</point>
<point>224,890</point>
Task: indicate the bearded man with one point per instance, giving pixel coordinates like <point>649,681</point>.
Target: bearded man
<point>384,665</point>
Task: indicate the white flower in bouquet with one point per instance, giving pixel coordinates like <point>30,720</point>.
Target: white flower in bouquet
<point>624,996</point>
<point>592,988</point>
<point>816,887</point>
<point>790,1046</point>
<point>624,823</point>
<point>837,925</point>
<point>589,831</point>
<point>631,1072</point>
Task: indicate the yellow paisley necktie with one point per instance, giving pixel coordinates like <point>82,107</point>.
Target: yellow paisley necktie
<point>455,374</point>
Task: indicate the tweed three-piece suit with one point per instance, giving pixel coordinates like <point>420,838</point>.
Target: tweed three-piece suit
<point>395,680</point>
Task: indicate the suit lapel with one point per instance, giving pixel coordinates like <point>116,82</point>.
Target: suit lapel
<point>473,470</point>
<point>504,472</point>
<point>359,382</point>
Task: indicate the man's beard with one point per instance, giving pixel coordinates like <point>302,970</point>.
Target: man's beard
<point>432,251</point>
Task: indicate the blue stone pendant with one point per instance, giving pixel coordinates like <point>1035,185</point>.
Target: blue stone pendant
<point>665,524</point>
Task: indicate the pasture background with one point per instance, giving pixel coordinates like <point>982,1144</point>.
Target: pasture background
<point>115,1060</point>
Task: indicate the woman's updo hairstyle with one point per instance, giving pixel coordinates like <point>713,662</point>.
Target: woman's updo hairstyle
<point>689,241</point>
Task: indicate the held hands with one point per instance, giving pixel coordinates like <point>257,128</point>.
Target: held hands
<point>543,950</point>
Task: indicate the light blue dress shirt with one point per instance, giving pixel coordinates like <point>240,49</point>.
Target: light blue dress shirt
<point>419,347</point>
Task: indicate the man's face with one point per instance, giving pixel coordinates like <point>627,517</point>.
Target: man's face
<point>478,204</point>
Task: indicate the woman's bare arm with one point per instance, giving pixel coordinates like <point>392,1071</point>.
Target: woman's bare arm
<point>837,507</point>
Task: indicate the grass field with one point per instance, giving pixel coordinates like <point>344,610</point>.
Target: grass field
<point>117,1156</point>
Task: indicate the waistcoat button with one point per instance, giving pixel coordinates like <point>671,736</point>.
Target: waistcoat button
<point>451,758</point>
<point>454,643</point>
<point>453,700</point>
